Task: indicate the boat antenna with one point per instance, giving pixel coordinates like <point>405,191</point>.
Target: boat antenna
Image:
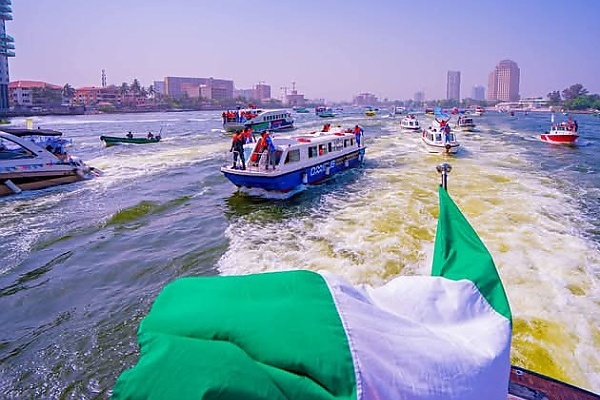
<point>444,169</point>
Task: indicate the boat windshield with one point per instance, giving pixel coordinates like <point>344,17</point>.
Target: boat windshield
<point>10,150</point>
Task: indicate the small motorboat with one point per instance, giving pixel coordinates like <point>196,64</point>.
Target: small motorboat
<point>410,123</point>
<point>440,140</point>
<point>561,133</point>
<point>370,112</point>
<point>324,112</point>
<point>465,124</point>
<point>32,159</point>
<point>115,140</point>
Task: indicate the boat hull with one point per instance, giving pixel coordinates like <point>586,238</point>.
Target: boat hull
<point>37,180</point>
<point>567,139</point>
<point>280,181</point>
<point>113,140</point>
<point>529,385</point>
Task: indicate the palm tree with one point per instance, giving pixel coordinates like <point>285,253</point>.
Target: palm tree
<point>151,91</point>
<point>136,87</point>
<point>68,92</point>
<point>124,89</point>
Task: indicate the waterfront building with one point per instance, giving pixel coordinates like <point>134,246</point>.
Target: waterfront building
<point>30,94</point>
<point>294,98</point>
<point>365,99</point>
<point>453,85</point>
<point>503,82</point>
<point>478,93</point>
<point>262,92</point>
<point>177,86</point>
<point>6,50</point>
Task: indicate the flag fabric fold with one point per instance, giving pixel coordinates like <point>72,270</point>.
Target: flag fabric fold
<point>308,335</point>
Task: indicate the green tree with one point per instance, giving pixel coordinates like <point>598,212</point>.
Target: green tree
<point>574,91</point>
<point>554,98</point>
<point>136,88</point>
<point>124,89</point>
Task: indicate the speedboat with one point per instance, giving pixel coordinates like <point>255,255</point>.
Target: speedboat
<point>370,112</point>
<point>257,119</point>
<point>324,112</point>
<point>33,159</point>
<point>560,134</point>
<point>465,124</point>
<point>410,123</point>
<point>440,140</point>
<point>478,111</point>
<point>304,159</point>
<point>301,110</point>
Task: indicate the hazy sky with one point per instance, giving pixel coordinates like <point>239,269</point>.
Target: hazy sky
<point>331,49</point>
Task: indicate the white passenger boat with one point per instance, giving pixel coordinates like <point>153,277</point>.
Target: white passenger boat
<point>465,124</point>
<point>440,139</point>
<point>37,158</point>
<point>410,123</point>
<point>303,159</point>
<point>257,119</point>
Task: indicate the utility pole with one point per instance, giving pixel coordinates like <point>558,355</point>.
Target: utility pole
<point>103,78</point>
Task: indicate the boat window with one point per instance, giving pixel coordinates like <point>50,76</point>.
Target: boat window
<point>330,147</point>
<point>346,142</point>
<point>438,137</point>
<point>312,151</point>
<point>322,149</point>
<point>292,156</point>
<point>10,150</point>
<point>338,145</point>
<point>351,142</point>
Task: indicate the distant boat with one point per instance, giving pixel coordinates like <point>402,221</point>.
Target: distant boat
<point>301,110</point>
<point>324,112</point>
<point>410,123</point>
<point>257,119</point>
<point>563,133</point>
<point>115,140</point>
<point>370,111</point>
<point>465,124</point>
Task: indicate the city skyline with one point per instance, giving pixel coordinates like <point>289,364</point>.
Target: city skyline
<point>318,45</point>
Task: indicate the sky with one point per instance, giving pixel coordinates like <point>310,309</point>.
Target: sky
<point>331,49</point>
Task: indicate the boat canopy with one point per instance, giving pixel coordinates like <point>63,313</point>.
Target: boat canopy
<point>20,132</point>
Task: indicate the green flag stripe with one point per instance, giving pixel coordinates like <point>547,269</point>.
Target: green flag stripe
<point>459,254</point>
<point>271,335</point>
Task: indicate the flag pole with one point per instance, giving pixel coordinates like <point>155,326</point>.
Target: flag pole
<point>444,169</point>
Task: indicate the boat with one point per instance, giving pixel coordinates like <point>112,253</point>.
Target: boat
<point>370,111</point>
<point>257,119</point>
<point>465,124</point>
<point>561,133</point>
<point>478,111</point>
<point>437,141</point>
<point>303,159</point>
<point>324,112</point>
<point>397,110</point>
<point>410,123</point>
<point>301,110</point>
<point>32,159</point>
<point>115,140</point>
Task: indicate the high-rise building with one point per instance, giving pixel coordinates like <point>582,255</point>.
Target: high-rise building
<point>6,50</point>
<point>503,82</point>
<point>453,85</point>
<point>420,97</point>
<point>478,93</point>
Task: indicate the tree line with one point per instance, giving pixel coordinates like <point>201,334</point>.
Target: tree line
<point>575,97</point>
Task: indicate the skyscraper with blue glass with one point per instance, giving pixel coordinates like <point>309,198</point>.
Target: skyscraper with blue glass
<point>7,47</point>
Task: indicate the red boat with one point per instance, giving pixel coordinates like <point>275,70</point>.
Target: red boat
<point>563,133</point>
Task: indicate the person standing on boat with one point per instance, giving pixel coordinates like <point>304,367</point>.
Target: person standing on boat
<point>268,143</point>
<point>150,135</point>
<point>129,135</point>
<point>247,135</point>
<point>237,147</point>
<point>358,132</point>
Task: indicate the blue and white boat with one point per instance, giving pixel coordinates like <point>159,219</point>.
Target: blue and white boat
<point>324,112</point>
<point>304,159</point>
<point>259,120</point>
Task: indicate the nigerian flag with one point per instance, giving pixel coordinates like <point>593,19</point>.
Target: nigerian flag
<point>308,335</point>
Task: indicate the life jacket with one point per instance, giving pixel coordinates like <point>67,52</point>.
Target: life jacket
<point>260,146</point>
